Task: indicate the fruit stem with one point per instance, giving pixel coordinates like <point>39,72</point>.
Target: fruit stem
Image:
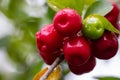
<point>51,68</point>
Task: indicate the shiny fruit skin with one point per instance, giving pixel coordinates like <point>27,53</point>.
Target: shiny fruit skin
<point>93,27</point>
<point>76,50</point>
<point>85,68</point>
<point>48,40</point>
<point>67,22</point>
<point>106,47</point>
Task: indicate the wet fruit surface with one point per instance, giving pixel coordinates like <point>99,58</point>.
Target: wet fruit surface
<point>67,22</point>
<point>76,50</point>
<point>48,39</point>
<point>106,47</point>
<point>85,68</point>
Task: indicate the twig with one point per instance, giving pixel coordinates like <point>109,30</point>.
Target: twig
<point>51,68</point>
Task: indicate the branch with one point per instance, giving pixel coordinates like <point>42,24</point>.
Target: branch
<point>51,68</point>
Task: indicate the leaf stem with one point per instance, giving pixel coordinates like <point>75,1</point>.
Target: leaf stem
<point>51,68</point>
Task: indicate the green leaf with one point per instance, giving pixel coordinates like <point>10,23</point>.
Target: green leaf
<point>101,7</point>
<point>60,4</point>
<point>107,78</point>
<point>107,25</point>
<point>89,2</point>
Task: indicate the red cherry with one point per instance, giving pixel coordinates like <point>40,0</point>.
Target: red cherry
<point>85,68</point>
<point>67,22</point>
<point>76,50</point>
<point>48,40</point>
<point>49,58</point>
<point>113,15</point>
<point>117,26</point>
<point>106,47</point>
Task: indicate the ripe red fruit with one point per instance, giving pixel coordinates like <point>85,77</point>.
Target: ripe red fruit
<point>67,22</point>
<point>106,47</point>
<point>49,58</point>
<point>76,50</point>
<point>85,68</point>
<point>113,15</point>
<point>48,40</point>
<point>117,26</point>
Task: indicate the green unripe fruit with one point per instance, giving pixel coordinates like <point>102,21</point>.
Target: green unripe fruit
<point>93,27</point>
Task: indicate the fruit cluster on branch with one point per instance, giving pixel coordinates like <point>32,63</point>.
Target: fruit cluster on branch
<point>80,41</point>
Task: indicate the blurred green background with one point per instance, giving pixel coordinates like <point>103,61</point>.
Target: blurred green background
<point>25,17</point>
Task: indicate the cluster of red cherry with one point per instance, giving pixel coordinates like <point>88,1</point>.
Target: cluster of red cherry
<point>64,36</point>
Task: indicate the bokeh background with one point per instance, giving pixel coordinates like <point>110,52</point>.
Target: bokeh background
<point>19,59</point>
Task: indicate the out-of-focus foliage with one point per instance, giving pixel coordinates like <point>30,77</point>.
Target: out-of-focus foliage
<point>21,46</point>
<point>108,78</point>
